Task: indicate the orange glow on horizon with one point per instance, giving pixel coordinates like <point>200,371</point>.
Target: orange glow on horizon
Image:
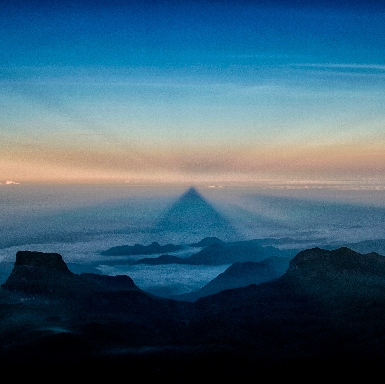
<point>54,163</point>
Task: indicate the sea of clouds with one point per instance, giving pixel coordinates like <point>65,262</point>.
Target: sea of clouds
<point>80,222</point>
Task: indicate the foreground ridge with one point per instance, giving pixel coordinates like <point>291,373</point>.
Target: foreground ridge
<point>328,308</point>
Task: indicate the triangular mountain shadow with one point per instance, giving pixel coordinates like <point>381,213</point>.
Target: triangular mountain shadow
<point>192,217</point>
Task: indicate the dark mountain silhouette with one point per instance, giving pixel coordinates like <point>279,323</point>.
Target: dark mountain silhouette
<point>194,215</point>
<point>342,272</point>
<point>333,263</point>
<point>326,310</point>
<point>241,275</point>
<point>320,273</point>
<point>47,273</point>
<point>53,317</point>
<point>43,273</point>
<point>138,249</point>
<point>325,313</point>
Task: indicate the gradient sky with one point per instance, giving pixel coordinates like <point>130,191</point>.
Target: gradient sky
<point>189,91</point>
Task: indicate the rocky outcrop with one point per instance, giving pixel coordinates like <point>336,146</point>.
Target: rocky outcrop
<point>43,273</point>
<point>337,273</point>
<point>51,261</point>
<point>320,263</point>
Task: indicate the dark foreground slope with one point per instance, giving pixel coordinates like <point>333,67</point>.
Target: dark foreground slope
<point>240,275</point>
<point>329,307</point>
<point>326,312</point>
<point>51,316</point>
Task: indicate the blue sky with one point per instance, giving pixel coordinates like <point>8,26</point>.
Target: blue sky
<point>190,91</point>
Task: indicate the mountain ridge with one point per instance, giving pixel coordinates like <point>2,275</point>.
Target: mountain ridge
<point>327,309</point>
<point>240,274</point>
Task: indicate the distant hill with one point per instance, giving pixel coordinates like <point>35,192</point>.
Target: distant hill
<point>241,274</point>
<point>138,249</point>
<point>162,259</point>
<point>207,241</point>
<point>365,246</point>
<point>217,251</point>
<point>219,254</point>
<point>262,242</point>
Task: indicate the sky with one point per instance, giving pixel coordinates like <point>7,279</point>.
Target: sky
<point>173,91</point>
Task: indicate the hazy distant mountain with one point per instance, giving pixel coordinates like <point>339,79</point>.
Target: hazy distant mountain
<point>138,249</point>
<point>221,253</point>
<point>240,275</point>
<point>162,259</point>
<point>207,241</point>
<point>216,251</point>
<point>265,242</point>
<point>192,214</point>
<point>83,268</point>
<point>217,254</point>
<point>365,246</point>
